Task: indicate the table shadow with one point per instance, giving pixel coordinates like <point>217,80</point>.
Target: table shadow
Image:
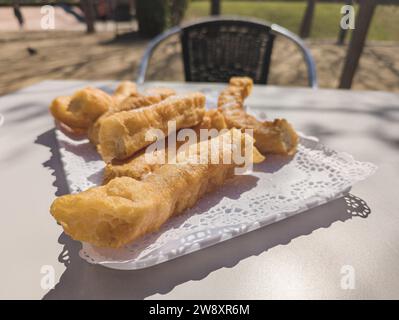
<point>82,280</point>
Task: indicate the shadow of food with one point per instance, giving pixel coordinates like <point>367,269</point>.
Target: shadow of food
<point>76,136</point>
<point>49,140</point>
<point>97,177</point>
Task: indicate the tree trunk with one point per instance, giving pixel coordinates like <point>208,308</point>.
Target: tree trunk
<point>341,37</point>
<point>89,12</point>
<point>307,19</point>
<point>356,45</point>
<point>215,7</point>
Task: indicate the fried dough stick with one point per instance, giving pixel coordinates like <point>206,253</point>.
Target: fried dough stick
<point>124,133</point>
<point>138,167</point>
<point>82,109</point>
<point>126,209</point>
<point>125,89</point>
<point>276,136</point>
<point>149,97</point>
<point>238,89</point>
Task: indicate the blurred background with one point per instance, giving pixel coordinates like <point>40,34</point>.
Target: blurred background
<point>105,39</point>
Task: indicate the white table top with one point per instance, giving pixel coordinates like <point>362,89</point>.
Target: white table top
<point>301,257</point>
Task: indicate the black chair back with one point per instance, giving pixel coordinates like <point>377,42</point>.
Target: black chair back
<point>214,51</point>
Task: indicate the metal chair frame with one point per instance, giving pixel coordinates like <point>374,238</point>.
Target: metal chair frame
<point>275,29</point>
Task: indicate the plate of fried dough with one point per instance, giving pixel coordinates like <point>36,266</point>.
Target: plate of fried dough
<point>134,203</point>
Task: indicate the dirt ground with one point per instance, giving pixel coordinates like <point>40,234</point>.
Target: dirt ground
<point>76,55</point>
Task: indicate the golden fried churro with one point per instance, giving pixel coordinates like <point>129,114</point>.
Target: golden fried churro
<point>163,92</point>
<point>133,102</point>
<point>213,119</point>
<point>238,89</point>
<point>276,136</point>
<point>148,98</point>
<point>125,209</point>
<point>124,133</point>
<point>123,90</point>
<point>138,167</point>
<point>85,106</point>
<point>82,108</point>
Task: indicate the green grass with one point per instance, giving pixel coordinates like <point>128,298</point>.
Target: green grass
<point>385,24</point>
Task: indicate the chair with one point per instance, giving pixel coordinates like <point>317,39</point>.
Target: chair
<point>215,49</point>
